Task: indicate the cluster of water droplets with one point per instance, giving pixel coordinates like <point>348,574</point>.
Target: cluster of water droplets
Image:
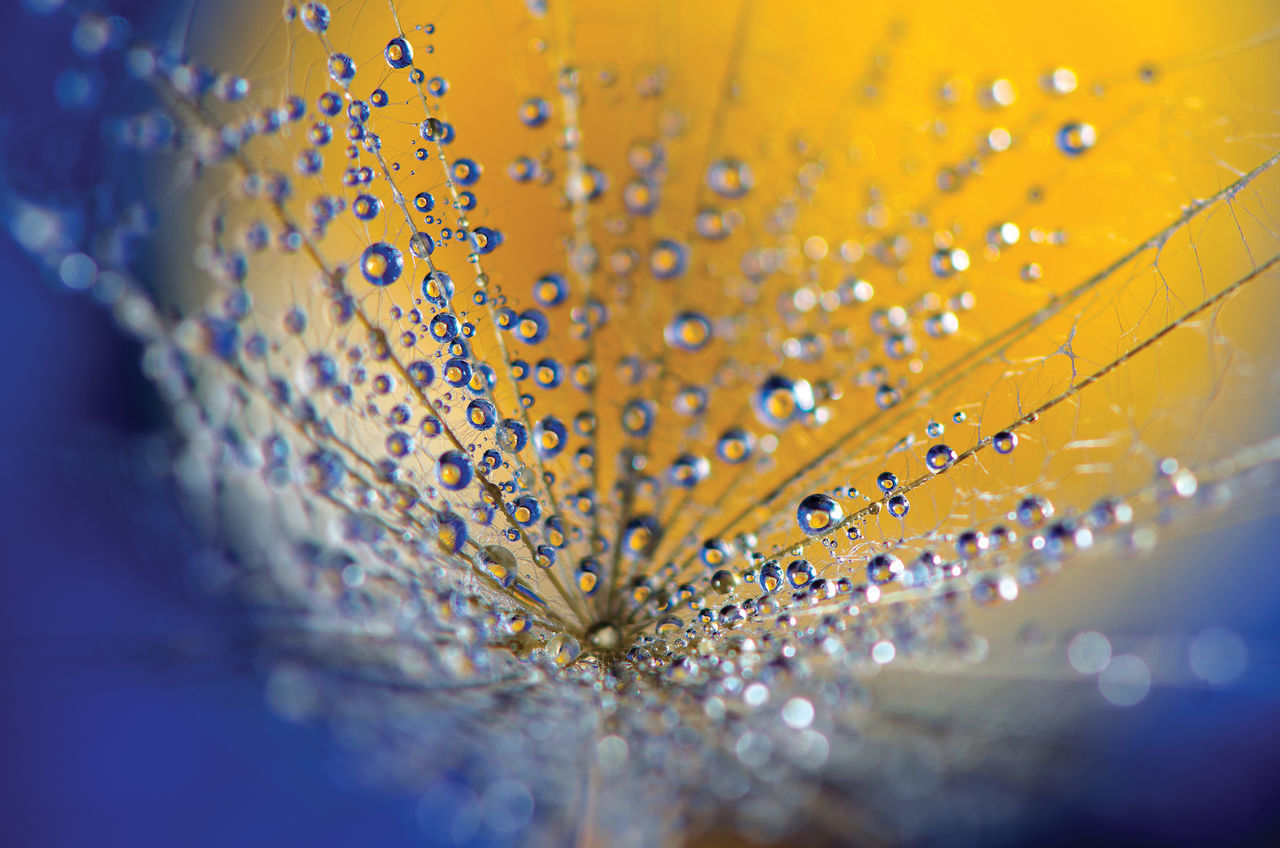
<point>676,492</point>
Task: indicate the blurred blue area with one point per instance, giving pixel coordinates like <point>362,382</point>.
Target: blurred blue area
<point>129,715</point>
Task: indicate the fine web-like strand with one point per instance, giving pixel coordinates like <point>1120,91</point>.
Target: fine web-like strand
<point>569,597</point>
<point>997,345</point>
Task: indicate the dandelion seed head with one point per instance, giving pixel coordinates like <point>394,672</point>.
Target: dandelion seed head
<point>587,404</point>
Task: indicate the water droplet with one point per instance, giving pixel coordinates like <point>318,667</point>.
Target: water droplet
<point>563,649</point>
<point>500,563</point>
<point>550,290</point>
<point>729,178</point>
<point>689,331</point>
<point>381,264</point>
<point>780,400</point>
<point>398,53</point>
<point>939,458</point>
<point>453,470</point>
<point>1004,441</point>
<point>1033,511</point>
<point>534,112</point>
<point>366,207</point>
<point>799,572</point>
<point>735,445</point>
<point>315,16</point>
<point>342,69</point>
<point>668,259</point>
<point>550,437</point>
<point>884,568</point>
<point>1075,138</point>
<point>818,513</point>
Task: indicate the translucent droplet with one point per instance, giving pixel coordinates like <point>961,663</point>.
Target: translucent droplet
<point>534,112</point>
<point>668,259</point>
<point>451,531</point>
<point>735,445</point>
<point>550,290</point>
<point>1004,441</point>
<point>1125,681</point>
<point>724,581</point>
<point>688,470</point>
<point>1218,656</point>
<point>398,53</point>
<point>437,288</point>
<point>424,202</point>
<point>638,416</point>
<point>399,445</point>
<point>588,576</point>
<point>421,245</point>
<point>550,437</point>
<point>563,649</point>
<point>799,572</point>
<point>1034,510</point>
<point>714,553</point>
<point>780,400</point>
<point>639,536</point>
<point>342,69</point>
<point>481,414</point>
<point>818,513</point>
<point>432,129</point>
<point>1089,652</point>
<point>501,564</point>
<point>1059,81</point>
<point>453,470</point>
<point>366,207</point>
<point>532,326</point>
<point>526,510</point>
<point>729,178</point>
<point>315,16</point>
<point>939,458</point>
<point>972,543</point>
<point>770,578</point>
<point>884,568</point>
<point>445,327</point>
<point>1075,138</point>
<point>466,171</point>
<point>690,331</point>
<point>381,264</point>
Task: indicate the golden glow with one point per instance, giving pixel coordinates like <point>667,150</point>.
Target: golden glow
<point>918,151</point>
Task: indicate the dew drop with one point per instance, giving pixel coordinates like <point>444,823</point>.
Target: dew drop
<point>398,53</point>
<point>453,470</point>
<point>381,264</point>
<point>1075,138</point>
<point>799,572</point>
<point>688,331</point>
<point>342,69</point>
<point>563,650</point>
<point>884,568</point>
<point>1004,441</point>
<point>939,458</point>
<point>500,563</point>
<point>818,513</point>
<point>729,178</point>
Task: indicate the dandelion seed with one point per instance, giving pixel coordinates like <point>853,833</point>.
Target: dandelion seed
<point>566,459</point>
